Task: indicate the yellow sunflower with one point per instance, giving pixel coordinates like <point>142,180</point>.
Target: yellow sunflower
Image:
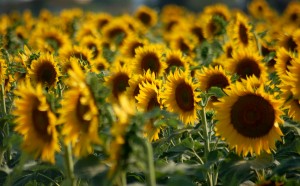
<point>180,96</point>
<point>290,39</point>
<point>146,15</point>
<point>94,44</point>
<point>212,77</point>
<point>175,58</point>
<point>294,78</point>
<point>36,122</point>
<point>118,81</point>
<point>248,119</point>
<point>291,13</point>
<point>136,80</point>
<point>283,60</point>
<point>148,98</point>
<point>241,33</point>
<point>99,64</point>
<point>131,43</point>
<point>260,9</point>
<point>44,70</point>
<point>246,63</point>
<point>101,19</point>
<point>218,10</point>
<point>149,58</point>
<point>185,42</point>
<point>197,30</point>
<point>79,114</point>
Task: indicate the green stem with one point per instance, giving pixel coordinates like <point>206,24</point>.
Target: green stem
<point>207,142</point>
<point>6,124</point>
<point>69,162</point>
<point>123,178</point>
<point>150,164</point>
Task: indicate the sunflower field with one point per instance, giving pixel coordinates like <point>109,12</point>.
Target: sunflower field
<point>153,97</point>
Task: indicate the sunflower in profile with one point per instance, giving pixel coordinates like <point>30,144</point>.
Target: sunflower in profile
<point>149,58</point>
<point>283,60</point>
<point>294,78</point>
<point>79,114</point>
<point>36,122</point>
<point>138,79</point>
<point>248,119</point>
<point>131,43</point>
<point>212,28</point>
<point>241,33</point>
<point>246,63</point>
<point>175,58</point>
<point>212,77</point>
<point>148,99</point>
<point>180,96</point>
<point>44,70</point>
<point>146,15</point>
<point>118,81</point>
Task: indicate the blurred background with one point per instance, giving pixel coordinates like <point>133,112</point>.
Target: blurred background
<point>121,6</point>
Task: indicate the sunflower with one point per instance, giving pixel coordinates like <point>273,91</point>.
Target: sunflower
<point>36,122</point>
<point>149,58</point>
<point>213,77</point>
<point>79,114</point>
<point>101,19</point>
<point>115,32</point>
<point>197,30</point>
<point>44,70</point>
<point>248,119</point>
<point>290,39</point>
<point>175,58</point>
<point>93,44</point>
<point>291,13</point>
<point>87,29</point>
<point>283,60</point>
<point>180,96</point>
<point>241,33</point>
<point>185,42</point>
<point>266,49</point>
<point>260,9</point>
<point>293,78</point>
<point>131,43</point>
<point>146,15</point>
<point>99,64</point>
<point>220,10</point>
<point>211,28</point>
<point>136,80</point>
<point>118,81</point>
<point>148,98</point>
<point>246,63</point>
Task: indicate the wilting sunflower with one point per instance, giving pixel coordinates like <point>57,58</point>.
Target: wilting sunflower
<point>248,119</point>
<point>79,114</point>
<point>36,122</point>
<point>213,77</point>
<point>118,81</point>
<point>180,96</point>
<point>149,58</point>
<point>175,58</point>
<point>241,33</point>
<point>148,99</point>
<point>44,70</point>
<point>283,60</point>
<point>246,63</point>
<point>146,15</point>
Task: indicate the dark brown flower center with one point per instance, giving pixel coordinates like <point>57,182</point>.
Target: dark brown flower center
<point>46,73</point>
<point>40,121</point>
<point>184,47</point>
<point>198,31</point>
<point>217,80</point>
<point>120,82</point>
<point>229,52</point>
<point>151,61</point>
<point>152,103</point>
<point>94,49</point>
<point>294,17</point>
<point>145,18</point>
<point>81,110</point>
<point>184,96</point>
<point>173,61</point>
<point>54,42</point>
<point>290,44</point>
<point>135,46</point>
<point>115,32</point>
<point>252,116</point>
<point>243,35</point>
<point>247,67</point>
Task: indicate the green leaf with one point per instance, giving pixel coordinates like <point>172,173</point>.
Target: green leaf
<point>179,181</point>
<point>289,166</point>
<point>216,91</point>
<point>213,157</point>
<point>88,167</point>
<point>262,161</point>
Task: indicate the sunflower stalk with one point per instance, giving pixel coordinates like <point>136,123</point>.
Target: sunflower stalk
<point>149,163</point>
<point>206,135</point>
<point>69,162</point>
<point>6,126</point>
